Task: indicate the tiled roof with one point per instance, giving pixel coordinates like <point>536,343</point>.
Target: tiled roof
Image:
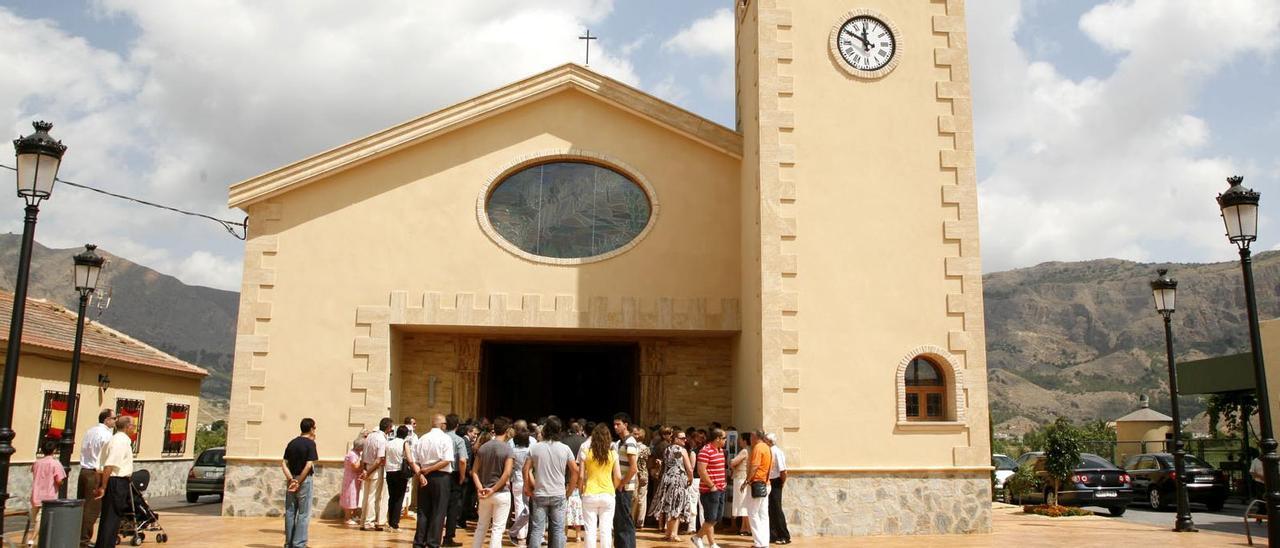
<point>49,325</point>
<point>1145,414</point>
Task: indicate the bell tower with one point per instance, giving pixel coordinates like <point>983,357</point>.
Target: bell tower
<point>860,257</point>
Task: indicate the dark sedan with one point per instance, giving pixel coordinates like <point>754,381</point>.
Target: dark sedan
<point>1094,482</point>
<point>1154,478</point>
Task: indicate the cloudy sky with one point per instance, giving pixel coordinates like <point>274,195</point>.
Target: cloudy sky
<point>1104,128</point>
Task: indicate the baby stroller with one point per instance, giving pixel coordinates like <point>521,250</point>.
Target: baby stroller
<point>139,519</point>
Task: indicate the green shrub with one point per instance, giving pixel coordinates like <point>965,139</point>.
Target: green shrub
<point>1021,483</point>
<point>1061,454</point>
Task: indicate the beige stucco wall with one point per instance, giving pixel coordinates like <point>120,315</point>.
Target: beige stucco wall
<point>1270,331</point>
<point>1130,436</point>
<point>868,222</point>
<point>407,222</point>
<point>49,371</point>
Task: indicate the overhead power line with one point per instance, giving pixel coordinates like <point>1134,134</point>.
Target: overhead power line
<point>237,229</point>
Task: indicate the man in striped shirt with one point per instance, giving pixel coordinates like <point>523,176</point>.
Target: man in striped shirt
<point>711,487</point>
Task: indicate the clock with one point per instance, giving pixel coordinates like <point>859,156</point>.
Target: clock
<point>865,44</point>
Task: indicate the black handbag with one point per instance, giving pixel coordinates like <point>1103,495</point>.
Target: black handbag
<point>759,490</point>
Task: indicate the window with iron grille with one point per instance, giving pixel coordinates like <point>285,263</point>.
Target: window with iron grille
<point>53,417</point>
<point>132,408</point>
<point>175,429</point>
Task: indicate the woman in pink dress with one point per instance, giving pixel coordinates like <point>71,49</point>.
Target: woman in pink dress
<point>351,471</point>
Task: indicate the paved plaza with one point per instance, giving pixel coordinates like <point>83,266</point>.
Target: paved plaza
<point>1011,528</point>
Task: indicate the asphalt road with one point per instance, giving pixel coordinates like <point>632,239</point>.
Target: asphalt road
<point>1228,520</point>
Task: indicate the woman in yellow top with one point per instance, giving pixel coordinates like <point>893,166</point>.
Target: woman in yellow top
<point>600,479</point>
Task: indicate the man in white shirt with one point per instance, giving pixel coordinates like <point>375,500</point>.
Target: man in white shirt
<point>115,470</point>
<point>90,448</point>
<point>778,531</point>
<point>412,424</point>
<point>374,507</point>
<point>398,471</point>
<point>432,464</point>
<point>624,528</point>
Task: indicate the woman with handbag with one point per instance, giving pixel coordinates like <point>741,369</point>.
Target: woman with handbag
<point>672,497</point>
<point>756,490</point>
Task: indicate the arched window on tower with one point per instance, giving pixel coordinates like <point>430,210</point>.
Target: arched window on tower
<point>926,391</point>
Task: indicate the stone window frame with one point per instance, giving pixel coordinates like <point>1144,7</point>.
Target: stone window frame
<point>953,383</point>
<point>564,155</point>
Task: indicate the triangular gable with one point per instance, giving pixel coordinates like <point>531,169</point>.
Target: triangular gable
<point>432,125</point>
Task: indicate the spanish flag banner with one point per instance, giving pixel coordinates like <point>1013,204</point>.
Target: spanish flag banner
<point>177,425</point>
<point>134,412</point>
<point>57,417</point>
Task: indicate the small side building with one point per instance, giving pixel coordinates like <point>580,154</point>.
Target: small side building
<point>1142,431</point>
<point>116,372</point>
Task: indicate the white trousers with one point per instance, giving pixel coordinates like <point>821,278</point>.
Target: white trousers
<point>520,511</point>
<point>597,511</point>
<point>758,511</point>
<point>493,516</point>
<point>373,510</point>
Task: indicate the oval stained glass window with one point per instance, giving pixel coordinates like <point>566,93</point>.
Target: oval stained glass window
<point>568,210</point>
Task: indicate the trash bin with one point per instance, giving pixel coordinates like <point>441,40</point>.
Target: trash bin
<point>60,523</point>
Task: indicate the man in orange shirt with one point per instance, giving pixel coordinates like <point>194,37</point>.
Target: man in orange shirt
<point>756,490</point>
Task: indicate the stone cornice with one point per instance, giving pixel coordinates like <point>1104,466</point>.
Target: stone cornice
<point>564,77</point>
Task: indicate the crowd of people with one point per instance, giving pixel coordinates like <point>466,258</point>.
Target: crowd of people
<point>538,481</point>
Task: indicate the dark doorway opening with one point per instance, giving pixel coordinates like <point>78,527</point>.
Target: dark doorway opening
<point>570,380</point>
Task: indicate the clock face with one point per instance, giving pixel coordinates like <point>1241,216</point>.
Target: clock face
<point>866,43</point>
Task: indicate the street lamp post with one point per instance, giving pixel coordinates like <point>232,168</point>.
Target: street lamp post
<point>1164,289</point>
<point>87,267</point>
<point>39,156</point>
<point>1240,214</point>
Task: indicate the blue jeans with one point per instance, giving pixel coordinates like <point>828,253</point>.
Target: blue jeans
<point>543,510</point>
<point>297,515</point>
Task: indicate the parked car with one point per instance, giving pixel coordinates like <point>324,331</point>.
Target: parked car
<point>1005,467</point>
<point>1095,482</point>
<point>207,474</point>
<point>1154,477</point>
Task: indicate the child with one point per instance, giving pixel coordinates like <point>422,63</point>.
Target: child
<point>46,476</point>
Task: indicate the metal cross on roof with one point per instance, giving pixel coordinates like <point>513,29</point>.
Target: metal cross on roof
<point>588,38</point>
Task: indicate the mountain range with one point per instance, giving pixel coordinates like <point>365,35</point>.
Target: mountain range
<point>1079,339</point>
<point>193,323</point>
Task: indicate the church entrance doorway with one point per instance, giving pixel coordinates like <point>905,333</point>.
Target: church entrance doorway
<point>570,380</point>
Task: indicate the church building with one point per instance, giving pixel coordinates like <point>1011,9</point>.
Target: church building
<point>570,245</point>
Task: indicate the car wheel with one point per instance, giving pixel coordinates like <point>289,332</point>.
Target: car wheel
<point>193,497</point>
<point>1154,499</point>
<point>1117,511</point>
<point>1215,505</point>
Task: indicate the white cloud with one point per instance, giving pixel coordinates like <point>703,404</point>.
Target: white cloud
<point>712,35</point>
<point>669,90</point>
<point>1106,166</point>
<point>212,92</point>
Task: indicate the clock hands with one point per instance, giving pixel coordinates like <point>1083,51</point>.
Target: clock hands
<point>866,44</point>
<point>863,39</point>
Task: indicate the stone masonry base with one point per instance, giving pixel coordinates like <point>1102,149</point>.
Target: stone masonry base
<point>256,488</point>
<point>900,503</point>
<point>168,478</point>
<point>897,503</point>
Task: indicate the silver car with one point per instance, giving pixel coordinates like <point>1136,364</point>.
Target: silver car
<point>207,474</point>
